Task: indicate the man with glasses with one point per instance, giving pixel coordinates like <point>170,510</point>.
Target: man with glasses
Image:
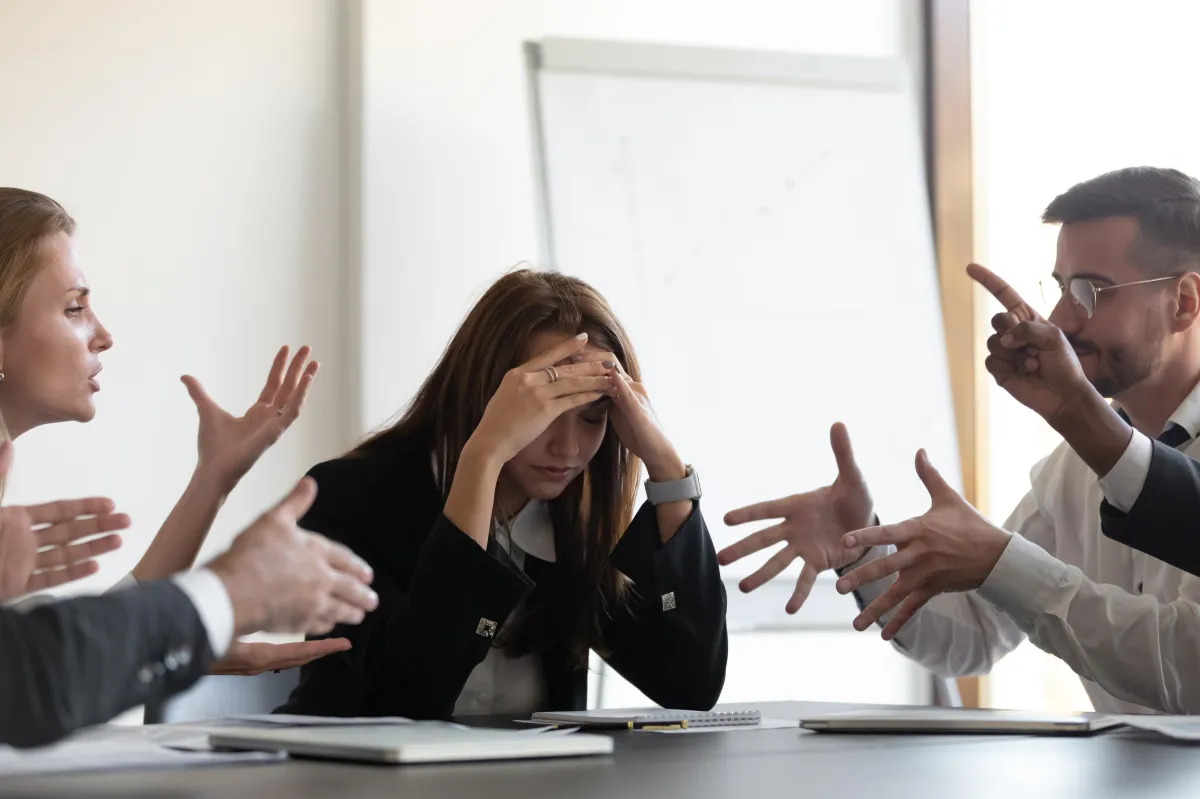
<point>955,592</point>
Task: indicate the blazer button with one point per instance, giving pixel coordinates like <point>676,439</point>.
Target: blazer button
<point>145,675</point>
<point>184,655</point>
<point>170,662</point>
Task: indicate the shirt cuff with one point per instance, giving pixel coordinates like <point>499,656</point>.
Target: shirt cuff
<point>1124,482</point>
<point>1023,582</point>
<point>208,594</point>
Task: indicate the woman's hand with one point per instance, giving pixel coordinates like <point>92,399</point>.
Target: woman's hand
<point>248,658</point>
<point>637,426</point>
<point>228,445</point>
<point>43,546</point>
<point>534,394</point>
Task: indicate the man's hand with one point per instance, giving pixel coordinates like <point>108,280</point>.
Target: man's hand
<point>950,548</point>
<point>282,579</point>
<point>812,526</point>
<point>1030,358</point>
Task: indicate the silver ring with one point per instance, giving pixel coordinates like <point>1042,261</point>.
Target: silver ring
<point>550,370</point>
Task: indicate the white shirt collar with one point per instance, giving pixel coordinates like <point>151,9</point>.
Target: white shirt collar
<point>531,530</point>
<point>1187,415</point>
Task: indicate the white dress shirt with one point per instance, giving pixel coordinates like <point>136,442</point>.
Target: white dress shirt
<point>1126,623</point>
<point>501,683</point>
<point>203,588</point>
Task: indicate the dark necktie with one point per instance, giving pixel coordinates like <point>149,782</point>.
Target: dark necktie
<point>1174,436</point>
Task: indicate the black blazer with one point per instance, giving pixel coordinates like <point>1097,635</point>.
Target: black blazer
<point>1160,523</point>
<point>65,665</point>
<point>412,655</point>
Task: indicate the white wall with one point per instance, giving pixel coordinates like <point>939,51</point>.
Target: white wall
<point>447,184</point>
<point>197,145</point>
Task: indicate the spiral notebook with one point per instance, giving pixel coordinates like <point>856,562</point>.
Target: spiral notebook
<point>652,719</point>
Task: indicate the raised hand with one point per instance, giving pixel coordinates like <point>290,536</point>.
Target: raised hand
<point>43,546</point>
<point>949,548</point>
<point>229,445</point>
<point>282,579</point>
<point>248,658</point>
<point>1028,357</point>
<point>811,526</point>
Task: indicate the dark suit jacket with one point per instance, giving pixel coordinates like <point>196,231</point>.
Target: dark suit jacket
<point>413,654</point>
<point>65,665</point>
<point>1165,520</point>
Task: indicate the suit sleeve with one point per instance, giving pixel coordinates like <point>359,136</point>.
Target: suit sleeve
<point>68,664</point>
<point>418,647</point>
<point>670,640</point>
<point>1164,520</point>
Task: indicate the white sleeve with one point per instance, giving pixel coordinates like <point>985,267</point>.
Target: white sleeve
<point>1137,647</point>
<point>208,594</point>
<point>1123,483</point>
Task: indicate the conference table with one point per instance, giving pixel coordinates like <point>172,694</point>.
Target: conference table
<point>748,764</point>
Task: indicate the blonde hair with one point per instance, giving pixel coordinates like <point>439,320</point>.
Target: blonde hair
<point>26,220</point>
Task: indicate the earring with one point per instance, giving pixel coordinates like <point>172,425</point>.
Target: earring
<point>1,377</point>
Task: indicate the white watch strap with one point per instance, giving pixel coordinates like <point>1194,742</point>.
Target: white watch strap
<point>687,487</point>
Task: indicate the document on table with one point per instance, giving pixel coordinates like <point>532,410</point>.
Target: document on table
<point>286,720</point>
<point>1181,728</point>
<point>116,754</point>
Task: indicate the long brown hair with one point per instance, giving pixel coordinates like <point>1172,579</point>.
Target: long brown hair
<point>592,513</point>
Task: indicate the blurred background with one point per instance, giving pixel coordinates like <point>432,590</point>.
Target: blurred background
<point>786,189</point>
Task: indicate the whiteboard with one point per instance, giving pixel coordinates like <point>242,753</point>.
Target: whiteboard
<point>760,223</point>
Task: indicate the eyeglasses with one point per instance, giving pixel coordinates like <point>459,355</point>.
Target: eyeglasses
<point>1084,293</point>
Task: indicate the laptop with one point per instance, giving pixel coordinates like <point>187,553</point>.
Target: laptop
<point>419,742</point>
<point>959,721</point>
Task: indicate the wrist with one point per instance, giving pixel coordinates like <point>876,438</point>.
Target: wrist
<point>249,615</point>
<point>1095,431</point>
<point>664,469</point>
<point>481,457</point>
<point>212,481</point>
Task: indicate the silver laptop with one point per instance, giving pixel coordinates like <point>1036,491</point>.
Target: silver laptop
<point>419,742</point>
<point>951,720</point>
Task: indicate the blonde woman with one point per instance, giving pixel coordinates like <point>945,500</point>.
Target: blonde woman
<point>51,343</point>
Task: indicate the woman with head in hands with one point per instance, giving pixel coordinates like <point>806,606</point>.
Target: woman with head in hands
<point>498,516</point>
<point>51,341</point>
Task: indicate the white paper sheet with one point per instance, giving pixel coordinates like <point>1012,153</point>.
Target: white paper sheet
<point>116,754</point>
<point>1181,728</point>
<point>285,720</point>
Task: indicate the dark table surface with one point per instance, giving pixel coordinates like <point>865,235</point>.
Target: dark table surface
<point>759,764</point>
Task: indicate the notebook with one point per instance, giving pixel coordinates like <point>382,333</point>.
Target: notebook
<point>650,719</point>
<point>955,720</point>
<point>419,742</point>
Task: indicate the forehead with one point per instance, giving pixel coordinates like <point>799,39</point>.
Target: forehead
<point>59,269</point>
<point>1097,247</point>
<point>546,340</point>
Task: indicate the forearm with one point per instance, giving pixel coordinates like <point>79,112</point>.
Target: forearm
<point>178,541</point>
<point>1095,431</point>
<point>469,503</point>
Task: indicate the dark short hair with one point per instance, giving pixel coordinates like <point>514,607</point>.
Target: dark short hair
<point>1165,202</point>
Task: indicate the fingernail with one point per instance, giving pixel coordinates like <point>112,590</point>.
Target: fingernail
<point>1007,339</point>
<point>843,587</point>
<point>607,364</point>
<point>576,358</point>
<point>582,337</point>
<point>851,541</point>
